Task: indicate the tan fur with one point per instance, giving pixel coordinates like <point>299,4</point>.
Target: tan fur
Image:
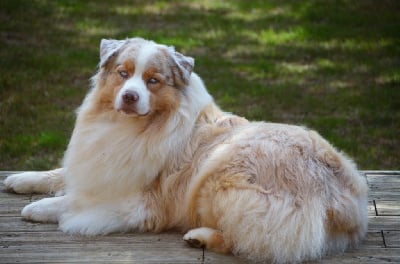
<point>265,191</point>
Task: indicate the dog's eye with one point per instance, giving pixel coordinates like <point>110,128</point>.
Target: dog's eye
<point>124,74</point>
<point>152,81</point>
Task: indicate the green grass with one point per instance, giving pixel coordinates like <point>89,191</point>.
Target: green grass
<point>330,65</point>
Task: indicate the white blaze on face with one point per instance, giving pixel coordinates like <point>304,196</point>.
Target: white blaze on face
<point>136,87</point>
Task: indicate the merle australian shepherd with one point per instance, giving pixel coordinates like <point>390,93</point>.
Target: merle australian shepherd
<point>151,151</point>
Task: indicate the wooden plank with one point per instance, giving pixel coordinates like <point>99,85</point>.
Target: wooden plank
<point>10,210</point>
<point>373,239</point>
<point>380,172</point>
<point>383,178</point>
<point>55,246</point>
<point>211,258</point>
<point>132,254</point>
<point>389,208</point>
<point>392,238</point>
<point>377,252</point>
<point>65,241</point>
<point>15,224</point>
<point>360,258</point>
<point>384,186</point>
<point>376,223</point>
<point>33,237</point>
<point>27,242</point>
<point>4,194</point>
<point>362,255</point>
<point>384,195</point>
<point>371,208</point>
<point>103,255</point>
<point>11,203</point>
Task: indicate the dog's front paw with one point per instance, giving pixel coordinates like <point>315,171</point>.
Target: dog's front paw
<point>45,210</point>
<point>22,182</point>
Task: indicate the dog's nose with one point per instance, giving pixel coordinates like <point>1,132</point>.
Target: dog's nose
<point>130,97</point>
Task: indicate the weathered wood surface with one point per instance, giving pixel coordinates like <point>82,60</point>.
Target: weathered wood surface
<point>27,242</point>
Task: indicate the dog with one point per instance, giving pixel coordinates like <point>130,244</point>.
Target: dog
<point>151,151</point>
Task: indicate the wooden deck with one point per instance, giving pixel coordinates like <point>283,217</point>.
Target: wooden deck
<point>26,242</point>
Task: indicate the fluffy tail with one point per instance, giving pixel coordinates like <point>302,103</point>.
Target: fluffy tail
<point>266,227</point>
<point>346,213</point>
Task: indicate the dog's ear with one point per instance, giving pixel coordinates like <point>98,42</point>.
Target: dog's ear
<point>182,67</point>
<point>108,49</point>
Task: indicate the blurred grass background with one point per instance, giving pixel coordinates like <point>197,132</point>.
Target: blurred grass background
<point>333,66</point>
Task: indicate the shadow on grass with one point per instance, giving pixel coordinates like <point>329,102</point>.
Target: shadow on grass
<point>331,65</point>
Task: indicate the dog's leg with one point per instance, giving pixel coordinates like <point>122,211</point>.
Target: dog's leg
<point>106,217</point>
<point>208,238</point>
<point>47,182</point>
<point>45,210</point>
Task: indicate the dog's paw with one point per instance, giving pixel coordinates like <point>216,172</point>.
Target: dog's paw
<point>204,237</point>
<point>199,237</point>
<point>45,210</point>
<point>49,182</point>
<point>22,182</point>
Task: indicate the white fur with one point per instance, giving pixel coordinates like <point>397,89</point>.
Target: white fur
<point>135,84</point>
<point>202,234</point>
<point>45,210</point>
<point>36,182</point>
<point>117,215</point>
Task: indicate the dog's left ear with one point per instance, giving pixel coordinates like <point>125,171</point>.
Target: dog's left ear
<point>108,49</point>
<point>182,68</point>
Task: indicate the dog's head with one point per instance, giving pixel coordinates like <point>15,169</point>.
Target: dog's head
<point>139,77</point>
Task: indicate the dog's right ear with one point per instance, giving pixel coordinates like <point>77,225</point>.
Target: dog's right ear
<point>108,49</point>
